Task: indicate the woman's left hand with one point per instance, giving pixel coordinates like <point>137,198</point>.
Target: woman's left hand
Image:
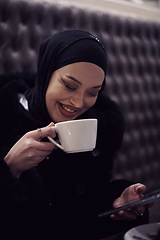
<point>133,192</point>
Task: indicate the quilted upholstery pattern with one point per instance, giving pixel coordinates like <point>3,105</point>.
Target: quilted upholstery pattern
<point>133,80</point>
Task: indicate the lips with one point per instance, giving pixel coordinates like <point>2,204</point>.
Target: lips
<point>67,110</point>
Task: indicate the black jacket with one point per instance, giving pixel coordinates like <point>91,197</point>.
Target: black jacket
<point>64,194</point>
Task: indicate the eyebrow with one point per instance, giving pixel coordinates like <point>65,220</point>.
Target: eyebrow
<point>75,80</point>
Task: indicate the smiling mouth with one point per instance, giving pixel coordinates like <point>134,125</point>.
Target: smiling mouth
<point>68,109</point>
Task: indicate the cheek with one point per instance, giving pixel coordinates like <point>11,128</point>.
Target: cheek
<point>90,102</point>
<point>50,100</point>
<point>52,95</point>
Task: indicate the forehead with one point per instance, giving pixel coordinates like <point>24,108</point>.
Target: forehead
<point>83,71</point>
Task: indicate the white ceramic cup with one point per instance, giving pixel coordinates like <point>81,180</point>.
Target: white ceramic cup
<point>76,135</point>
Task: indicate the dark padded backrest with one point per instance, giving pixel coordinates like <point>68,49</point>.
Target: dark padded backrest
<point>133,81</point>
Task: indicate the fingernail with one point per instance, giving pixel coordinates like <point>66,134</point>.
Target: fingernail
<point>138,190</point>
<point>51,124</point>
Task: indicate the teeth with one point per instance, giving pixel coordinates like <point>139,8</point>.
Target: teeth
<point>67,109</point>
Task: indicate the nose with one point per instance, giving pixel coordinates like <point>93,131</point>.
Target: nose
<point>77,100</point>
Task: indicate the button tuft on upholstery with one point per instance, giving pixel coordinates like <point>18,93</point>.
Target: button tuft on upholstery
<point>81,192</point>
<point>80,188</point>
<point>95,152</point>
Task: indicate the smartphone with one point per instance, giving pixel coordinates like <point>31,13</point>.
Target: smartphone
<point>149,198</point>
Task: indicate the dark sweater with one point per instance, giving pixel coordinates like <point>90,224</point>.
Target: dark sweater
<point>62,197</point>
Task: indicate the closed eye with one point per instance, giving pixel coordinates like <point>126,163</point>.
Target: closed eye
<point>93,94</point>
<point>68,86</point>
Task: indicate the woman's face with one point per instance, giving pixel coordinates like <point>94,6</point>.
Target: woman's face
<point>72,90</point>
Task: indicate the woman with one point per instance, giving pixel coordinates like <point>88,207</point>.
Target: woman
<point>47,193</point>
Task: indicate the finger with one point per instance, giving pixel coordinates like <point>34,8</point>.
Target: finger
<point>48,131</point>
<point>139,188</point>
<point>129,215</point>
<point>124,215</point>
<point>43,153</point>
<point>36,151</point>
<point>44,146</point>
<point>51,124</point>
<point>139,210</point>
<point>41,133</point>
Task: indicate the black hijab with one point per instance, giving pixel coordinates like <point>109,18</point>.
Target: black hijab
<point>59,50</point>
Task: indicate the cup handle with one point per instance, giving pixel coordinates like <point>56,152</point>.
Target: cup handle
<point>53,141</point>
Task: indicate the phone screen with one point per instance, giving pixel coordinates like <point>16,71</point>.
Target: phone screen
<point>149,198</point>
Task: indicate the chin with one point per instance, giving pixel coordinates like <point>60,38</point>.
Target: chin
<point>63,119</point>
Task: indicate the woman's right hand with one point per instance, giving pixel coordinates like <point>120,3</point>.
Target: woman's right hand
<point>29,151</point>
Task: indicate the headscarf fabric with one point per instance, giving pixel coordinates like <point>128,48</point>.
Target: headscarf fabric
<point>59,50</point>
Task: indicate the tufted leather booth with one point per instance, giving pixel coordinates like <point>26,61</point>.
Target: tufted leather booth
<point>133,81</point>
